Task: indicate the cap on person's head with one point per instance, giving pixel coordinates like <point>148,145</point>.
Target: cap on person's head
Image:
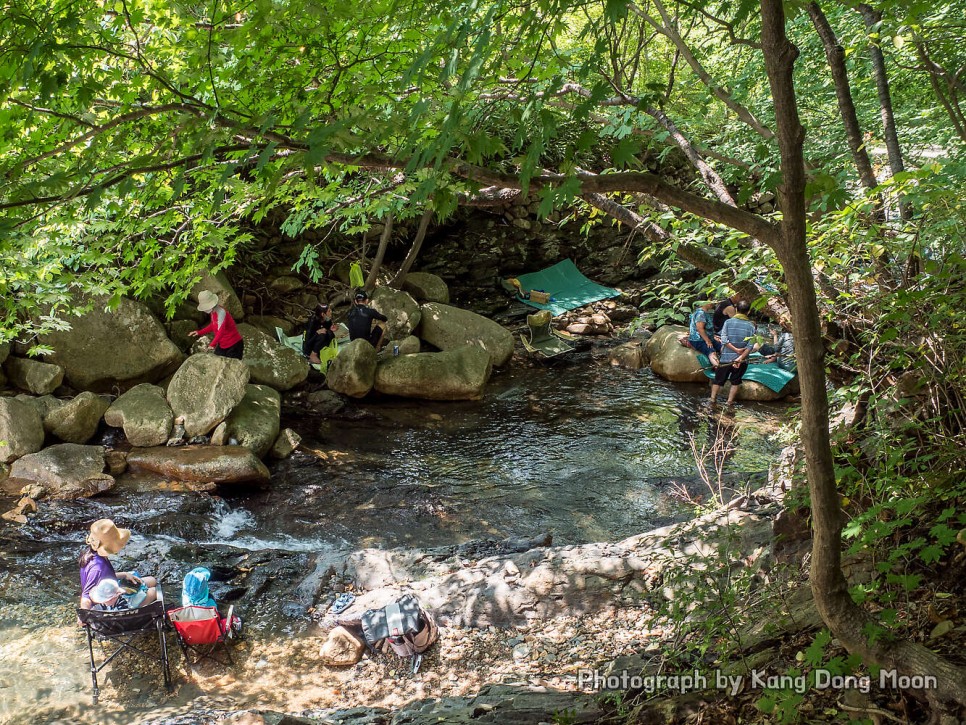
<point>105,591</point>
<point>703,303</point>
<point>105,538</point>
<point>361,295</point>
<point>321,308</point>
<point>207,301</point>
<point>195,587</point>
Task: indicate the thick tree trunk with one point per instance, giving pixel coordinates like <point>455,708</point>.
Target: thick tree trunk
<point>847,621</point>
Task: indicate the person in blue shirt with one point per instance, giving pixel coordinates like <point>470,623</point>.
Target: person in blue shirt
<point>736,345</point>
<point>701,332</point>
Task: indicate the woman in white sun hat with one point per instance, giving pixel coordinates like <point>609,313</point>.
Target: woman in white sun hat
<point>106,539</point>
<point>227,341</point>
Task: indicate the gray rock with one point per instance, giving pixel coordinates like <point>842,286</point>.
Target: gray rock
<point>286,443</point>
<point>630,355</point>
<point>34,376</point>
<point>401,309</point>
<point>4,351</point>
<point>219,284</point>
<point>449,327</point>
<point>267,324</point>
<point>217,464</point>
<point>42,404</point>
<point>144,414</point>
<point>426,287</point>
<point>205,390</point>
<point>254,422</point>
<point>671,360</point>
<point>219,436</point>
<point>178,331</point>
<point>105,349</point>
<point>353,372</point>
<point>76,420</point>
<point>286,284</point>
<point>341,648</point>
<point>325,402</point>
<point>272,363</point>
<point>21,429</point>
<point>66,471</point>
<point>459,374</point>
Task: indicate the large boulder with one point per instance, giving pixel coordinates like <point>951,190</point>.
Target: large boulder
<point>43,404</point>
<point>76,420</point>
<point>670,359</point>
<point>65,471</point>
<point>352,373</point>
<point>752,390</point>
<point>268,323</point>
<point>205,390</point>
<point>254,422</point>
<point>34,376</point>
<point>105,349</point>
<point>401,309</point>
<point>144,414</point>
<point>215,464</point>
<point>219,284</point>
<point>449,327</point>
<point>426,287</point>
<point>272,363</point>
<point>459,374</point>
<point>21,429</point>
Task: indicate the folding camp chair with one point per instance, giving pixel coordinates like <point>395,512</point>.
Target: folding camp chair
<point>123,628</point>
<point>544,341</point>
<point>202,632</point>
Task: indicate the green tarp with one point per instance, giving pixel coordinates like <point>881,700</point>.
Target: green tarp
<point>568,288</point>
<point>771,376</point>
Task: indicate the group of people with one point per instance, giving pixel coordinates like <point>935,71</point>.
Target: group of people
<point>724,332</point>
<point>319,329</point>
<point>101,584</point>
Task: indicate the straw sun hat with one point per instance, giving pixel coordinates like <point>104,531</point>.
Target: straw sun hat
<point>105,538</point>
<point>207,301</point>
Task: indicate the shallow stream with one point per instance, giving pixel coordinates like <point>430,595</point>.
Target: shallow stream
<point>585,451</point>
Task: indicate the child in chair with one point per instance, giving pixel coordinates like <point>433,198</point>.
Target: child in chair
<point>195,593</point>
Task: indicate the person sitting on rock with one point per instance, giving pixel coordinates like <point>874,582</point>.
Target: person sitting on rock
<point>318,333</point>
<point>360,319</point>
<point>227,341</point>
<point>701,335</point>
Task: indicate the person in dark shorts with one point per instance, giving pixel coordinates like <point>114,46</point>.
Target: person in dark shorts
<point>736,346</point>
<point>319,331</point>
<point>360,319</point>
<point>227,341</point>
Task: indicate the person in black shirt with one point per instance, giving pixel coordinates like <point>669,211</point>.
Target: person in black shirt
<point>359,322</point>
<point>319,331</point>
<point>722,311</point>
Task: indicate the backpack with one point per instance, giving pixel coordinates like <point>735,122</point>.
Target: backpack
<point>408,628</point>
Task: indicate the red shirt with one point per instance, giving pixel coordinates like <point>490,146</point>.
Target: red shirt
<point>226,334</point>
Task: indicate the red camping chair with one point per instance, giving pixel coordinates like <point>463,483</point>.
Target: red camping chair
<point>202,631</point>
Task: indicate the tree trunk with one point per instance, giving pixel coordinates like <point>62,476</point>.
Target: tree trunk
<point>380,253</point>
<point>414,249</point>
<point>847,621</point>
<point>843,93</point>
<point>872,18</point>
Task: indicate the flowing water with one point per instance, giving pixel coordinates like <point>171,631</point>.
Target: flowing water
<point>586,451</point>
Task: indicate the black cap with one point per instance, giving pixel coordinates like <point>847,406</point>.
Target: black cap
<point>321,307</point>
<point>361,296</point>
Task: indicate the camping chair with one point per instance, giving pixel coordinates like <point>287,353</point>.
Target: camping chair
<point>123,628</point>
<point>544,341</point>
<point>202,632</point>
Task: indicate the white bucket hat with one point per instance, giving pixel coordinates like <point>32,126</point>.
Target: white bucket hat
<point>105,591</point>
<point>207,301</point>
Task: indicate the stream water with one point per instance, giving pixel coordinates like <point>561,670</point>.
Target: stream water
<point>586,451</point>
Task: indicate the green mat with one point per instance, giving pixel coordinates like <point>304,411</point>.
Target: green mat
<point>568,288</point>
<point>770,375</point>
<point>294,342</point>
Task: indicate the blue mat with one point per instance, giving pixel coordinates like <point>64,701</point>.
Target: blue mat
<point>770,375</point>
<point>568,288</point>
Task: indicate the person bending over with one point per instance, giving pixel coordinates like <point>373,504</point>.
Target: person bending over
<point>318,333</point>
<point>360,319</point>
<point>227,341</point>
